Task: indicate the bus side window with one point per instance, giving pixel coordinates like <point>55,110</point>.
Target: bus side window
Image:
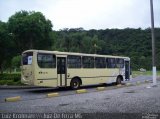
<point>46,60</point>
<point>111,62</point>
<point>119,63</point>
<point>100,62</point>
<point>74,61</point>
<point>88,62</point>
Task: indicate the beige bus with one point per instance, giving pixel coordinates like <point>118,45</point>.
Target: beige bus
<point>62,69</point>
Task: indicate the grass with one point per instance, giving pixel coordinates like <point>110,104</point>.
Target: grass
<point>147,73</point>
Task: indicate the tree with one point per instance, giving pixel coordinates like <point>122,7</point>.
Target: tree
<point>4,45</point>
<point>30,30</point>
<point>16,61</point>
<point>86,44</point>
<point>135,43</point>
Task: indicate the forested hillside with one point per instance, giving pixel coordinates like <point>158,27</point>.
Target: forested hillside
<point>135,43</point>
<point>31,30</point>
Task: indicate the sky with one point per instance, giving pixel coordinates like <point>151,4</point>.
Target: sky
<point>88,14</point>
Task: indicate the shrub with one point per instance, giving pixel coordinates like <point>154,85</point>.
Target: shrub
<point>14,77</point>
<point>10,79</point>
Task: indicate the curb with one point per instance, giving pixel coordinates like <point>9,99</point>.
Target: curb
<point>13,99</point>
<point>81,91</point>
<point>128,84</point>
<point>119,85</point>
<point>138,83</point>
<point>146,81</point>
<point>49,95</point>
<point>101,88</point>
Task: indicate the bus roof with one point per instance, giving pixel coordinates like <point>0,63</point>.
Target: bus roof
<point>73,53</point>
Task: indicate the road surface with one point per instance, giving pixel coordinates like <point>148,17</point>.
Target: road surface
<point>133,100</point>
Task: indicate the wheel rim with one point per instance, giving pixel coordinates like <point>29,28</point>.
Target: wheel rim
<point>119,81</point>
<point>75,84</point>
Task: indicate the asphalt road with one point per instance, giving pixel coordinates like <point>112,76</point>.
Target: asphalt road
<point>133,99</point>
<point>33,93</point>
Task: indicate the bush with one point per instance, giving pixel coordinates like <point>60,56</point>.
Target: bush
<point>10,82</point>
<point>10,79</point>
<point>14,77</point>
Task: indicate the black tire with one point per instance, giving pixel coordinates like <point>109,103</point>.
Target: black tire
<point>118,81</point>
<point>75,83</point>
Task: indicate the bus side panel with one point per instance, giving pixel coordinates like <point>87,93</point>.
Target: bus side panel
<point>46,77</point>
<point>93,76</point>
<point>112,74</point>
<point>107,75</point>
<point>88,76</point>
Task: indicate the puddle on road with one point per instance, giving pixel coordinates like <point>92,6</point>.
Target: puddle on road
<point>87,100</point>
<point>106,98</point>
<point>63,105</point>
<point>131,91</point>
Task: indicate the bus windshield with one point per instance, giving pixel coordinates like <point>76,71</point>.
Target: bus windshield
<point>27,58</point>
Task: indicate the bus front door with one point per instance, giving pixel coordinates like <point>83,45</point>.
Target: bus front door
<point>127,70</point>
<point>61,71</point>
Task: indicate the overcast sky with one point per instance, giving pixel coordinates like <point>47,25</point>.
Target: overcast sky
<point>89,14</point>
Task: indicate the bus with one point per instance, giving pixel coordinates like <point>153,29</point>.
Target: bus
<point>63,69</point>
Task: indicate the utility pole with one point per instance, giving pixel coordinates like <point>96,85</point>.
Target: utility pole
<point>153,46</point>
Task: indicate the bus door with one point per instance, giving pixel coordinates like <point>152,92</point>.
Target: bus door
<point>127,70</point>
<point>61,71</point>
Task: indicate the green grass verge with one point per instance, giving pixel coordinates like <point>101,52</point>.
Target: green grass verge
<point>147,73</point>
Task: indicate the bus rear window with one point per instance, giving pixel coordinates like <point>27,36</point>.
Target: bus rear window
<point>27,58</point>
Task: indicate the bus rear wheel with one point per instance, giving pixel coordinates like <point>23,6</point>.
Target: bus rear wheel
<point>118,81</point>
<point>75,83</point>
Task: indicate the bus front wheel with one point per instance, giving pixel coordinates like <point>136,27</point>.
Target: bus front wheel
<point>75,83</point>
